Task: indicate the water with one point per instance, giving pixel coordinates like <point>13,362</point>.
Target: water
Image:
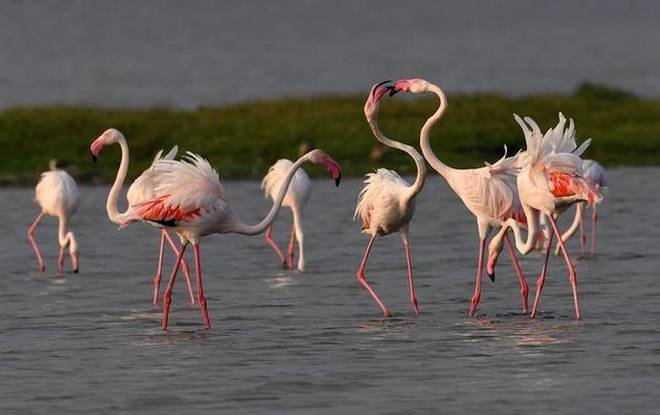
<point>286,342</point>
<point>192,53</point>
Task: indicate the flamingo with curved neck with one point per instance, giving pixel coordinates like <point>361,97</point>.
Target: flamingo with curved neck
<point>190,199</point>
<point>387,203</point>
<point>489,192</point>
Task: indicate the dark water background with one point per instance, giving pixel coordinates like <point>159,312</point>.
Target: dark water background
<point>190,53</point>
<point>286,342</point>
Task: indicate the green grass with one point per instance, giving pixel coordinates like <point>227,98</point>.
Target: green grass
<point>241,141</point>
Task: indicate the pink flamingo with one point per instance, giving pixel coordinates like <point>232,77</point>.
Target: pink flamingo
<point>549,182</point>
<point>387,203</point>
<point>594,174</point>
<point>488,192</point>
<point>189,198</point>
<point>57,194</point>
<point>141,189</point>
<point>295,199</point>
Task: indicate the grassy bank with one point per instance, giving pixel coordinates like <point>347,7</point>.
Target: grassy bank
<point>243,140</point>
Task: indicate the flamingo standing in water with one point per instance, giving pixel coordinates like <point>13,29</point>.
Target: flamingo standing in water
<point>295,199</point>
<point>550,181</point>
<point>387,203</point>
<point>189,198</point>
<point>594,174</point>
<point>488,192</point>
<point>57,194</point>
<point>139,191</point>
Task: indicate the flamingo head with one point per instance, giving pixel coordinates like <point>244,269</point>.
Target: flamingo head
<point>321,157</point>
<point>373,100</point>
<point>109,136</point>
<point>415,86</point>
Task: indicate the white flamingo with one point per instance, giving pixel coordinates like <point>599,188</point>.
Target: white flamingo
<point>594,174</point>
<point>139,191</point>
<point>189,198</point>
<point>57,194</point>
<point>295,199</point>
<point>387,203</point>
<point>549,182</point>
<point>488,192</point>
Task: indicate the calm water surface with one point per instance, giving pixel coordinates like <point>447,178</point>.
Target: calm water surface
<point>289,342</point>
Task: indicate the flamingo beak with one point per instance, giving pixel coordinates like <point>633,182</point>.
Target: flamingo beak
<point>94,159</point>
<point>393,90</point>
<point>74,262</point>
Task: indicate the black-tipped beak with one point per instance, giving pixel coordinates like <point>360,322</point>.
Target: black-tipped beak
<point>337,180</point>
<point>393,90</point>
<point>75,271</point>
<point>492,276</point>
<point>94,158</point>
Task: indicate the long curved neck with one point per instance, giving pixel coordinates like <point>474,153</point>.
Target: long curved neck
<point>113,196</point>
<point>62,234</point>
<point>260,227</point>
<point>524,246</point>
<point>425,133</point>
<point>419,160</point>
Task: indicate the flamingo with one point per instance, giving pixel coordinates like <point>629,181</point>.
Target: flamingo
<point>387,202</point>
<point>139,191</point>
<point>57,194</point>
<point>594,174</point>
<point>295,199</point>
<point>550,181</point>
<point>489,192</point>
<point>190,199</point>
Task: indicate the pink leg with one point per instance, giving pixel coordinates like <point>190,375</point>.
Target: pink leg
<point>516,266</point>
<point>594,220</point>
<point>583,238</point>
<point>200,288</point>
<point>411,282</point>
<point>291,245</point>
<point>477,288</point>
<point>363,280</point>
<point>276,248</point>
<point>33,241</point>
<point>541,280</point>
<point>159,270</point>
<point>186,269</point>
<point>167,297</point>
<point>60,260</point>
<point>572,276</point>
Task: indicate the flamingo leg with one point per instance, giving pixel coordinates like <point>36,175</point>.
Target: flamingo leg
<point>477,288</point>
<point>524,289</point>
<point>291,245</point>
<point>167,297</point>
<point>276,248</point>
<point>186,268</point>
<point>594,221</point>
<point>541,280</point>
<point>572,276</point>
<point>363,280</point>
<point>200,288</point>
<point>60,260</point>
<point>33,241</point>
<point>411,281</point>
<point>159,270</point>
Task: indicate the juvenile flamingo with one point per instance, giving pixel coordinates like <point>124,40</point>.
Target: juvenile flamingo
<point>189,198</point>
<point>387,203</point>
<point>488,192</point>
<point>594,174</point>
<point>57,194</point>
<point>295,199</point>
<point>549,182</point>
<point>139,191</point>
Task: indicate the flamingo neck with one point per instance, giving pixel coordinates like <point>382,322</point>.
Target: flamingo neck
<point>524,246</point>
<point>411,151</point>
<point>65,237</point>
<point>425,133</point>
<point>260,227</point>
<point>111,204</point>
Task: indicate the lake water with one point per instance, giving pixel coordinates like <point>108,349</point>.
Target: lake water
<point>191,53</point>
<point>293,343</point>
